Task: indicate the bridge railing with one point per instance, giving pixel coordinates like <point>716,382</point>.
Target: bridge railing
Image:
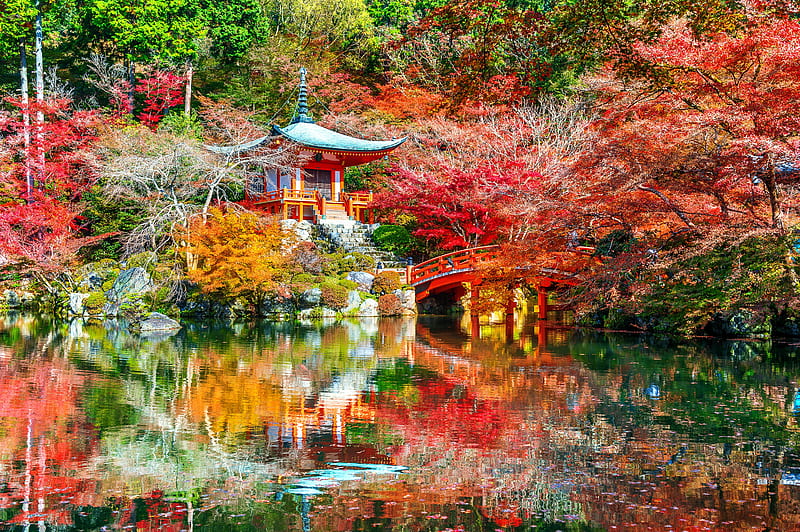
<point>465,259</point>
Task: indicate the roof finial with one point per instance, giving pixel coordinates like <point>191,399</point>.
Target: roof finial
<point>302,101</point>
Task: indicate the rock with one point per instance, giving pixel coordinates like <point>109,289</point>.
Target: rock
<point>743,322</point>
<point>408,301</point>
<point>93,281</point>
<point>205,307</point>
<point>11,299</point>
<point>272,306</point>
<point>363,279</point>
<point>353,301</point>
<point>328,312</point>
<point>157,322</point>
<point>76,300</point>
<point>302,229</point>
<point>368,307</point>
<point>93,275</point>
<point>130,281</point>
<point>311,298</point>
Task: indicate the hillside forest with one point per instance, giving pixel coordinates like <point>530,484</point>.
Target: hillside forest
<point>662,135</point>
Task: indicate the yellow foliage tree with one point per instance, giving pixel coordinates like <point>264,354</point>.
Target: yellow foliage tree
<point>238,255</point>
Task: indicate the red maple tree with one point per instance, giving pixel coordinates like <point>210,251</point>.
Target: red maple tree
<point>162,90</point>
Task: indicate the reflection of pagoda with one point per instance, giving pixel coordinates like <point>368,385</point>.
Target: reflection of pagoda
<point>315,190</point>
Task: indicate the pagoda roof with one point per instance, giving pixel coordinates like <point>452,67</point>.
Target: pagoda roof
<point>305,132</point>
<point>317,137</point>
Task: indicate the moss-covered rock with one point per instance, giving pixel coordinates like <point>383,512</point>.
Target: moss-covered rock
<point>94,304</point>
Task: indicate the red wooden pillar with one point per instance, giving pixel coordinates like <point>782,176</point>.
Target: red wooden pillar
<point>541,337</point>
<point>511,304</point>
<point>541,301</point>
<point>475,317</point>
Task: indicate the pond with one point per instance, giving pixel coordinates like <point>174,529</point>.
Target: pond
<point>436,424</point>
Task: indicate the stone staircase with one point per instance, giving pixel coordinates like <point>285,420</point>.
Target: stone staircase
<point>352,236</point>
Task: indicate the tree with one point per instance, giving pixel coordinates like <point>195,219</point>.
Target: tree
<point>498,177</point>
<point>474,51</point>
<point>237,255</point>
<point>40,232</point>
<point>175,177</point>
<point>162,90</point>
<point>712,140</point>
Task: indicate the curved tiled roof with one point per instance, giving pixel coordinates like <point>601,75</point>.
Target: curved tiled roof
<point>314,136</point>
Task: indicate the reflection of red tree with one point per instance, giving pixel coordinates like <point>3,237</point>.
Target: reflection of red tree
<point>47,437</point>
<point>448,412</point>
<point>503,514</point>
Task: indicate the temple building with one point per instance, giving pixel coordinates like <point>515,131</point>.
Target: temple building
<point>315,190</point>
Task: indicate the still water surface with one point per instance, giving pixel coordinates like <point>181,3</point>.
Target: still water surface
<point>392,425</point>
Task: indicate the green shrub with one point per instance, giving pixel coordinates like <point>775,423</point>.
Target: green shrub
<point>347,283</point>
<point>110,280</point>
<point>146,260</point>
<point>334,295</point>
<point>304,278</point>
<point>177,123</point>
<point>389,305</point>
<point>394,238</point>
<point>94,303</point>
<point>339,263</point>
<point>386,282</point>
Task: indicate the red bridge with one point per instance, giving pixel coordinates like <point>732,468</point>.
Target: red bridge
<point>448,273</point>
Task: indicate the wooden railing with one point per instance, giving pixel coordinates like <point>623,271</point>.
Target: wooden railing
<point>469,259</point>
<point>354,201</point>
<point>287,194</point>
<point>466,259</point>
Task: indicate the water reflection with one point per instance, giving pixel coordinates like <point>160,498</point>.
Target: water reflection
<point>392,425</point>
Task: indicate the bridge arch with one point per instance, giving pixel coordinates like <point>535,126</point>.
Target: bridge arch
<point>448,273</point>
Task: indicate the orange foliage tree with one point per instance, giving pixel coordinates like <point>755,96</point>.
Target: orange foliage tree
<point>238,255</point>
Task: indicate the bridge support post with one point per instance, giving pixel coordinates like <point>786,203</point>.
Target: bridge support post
<point>475,318</point>
<point>510,306</point>
<point>541,300</point>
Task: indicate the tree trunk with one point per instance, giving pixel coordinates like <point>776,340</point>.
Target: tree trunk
<point>40,174</point>
<point>26,119</point>
<point>187,101</point>
<point>131,82</point>
<point>771,186</point>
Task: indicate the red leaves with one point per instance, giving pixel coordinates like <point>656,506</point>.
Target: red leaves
<point>458,208</point>
<point>162,90</point>
<point>41,232</point>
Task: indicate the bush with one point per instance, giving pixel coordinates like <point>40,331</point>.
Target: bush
<point>394,238</point>
<point>339,263</point>
<point>334,295</point>
<point>389,305</point>
<point>146,260</point>
<point>386,282</point>
<point>347,283</point>
<point>94,303</point>
<point>304,278</point>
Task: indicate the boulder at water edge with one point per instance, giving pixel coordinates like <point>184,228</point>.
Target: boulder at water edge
<point>76,300</point>
<point>157,322</point>
<point>368,307</point>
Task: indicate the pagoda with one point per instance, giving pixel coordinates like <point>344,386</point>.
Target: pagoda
<point>315,190</point>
